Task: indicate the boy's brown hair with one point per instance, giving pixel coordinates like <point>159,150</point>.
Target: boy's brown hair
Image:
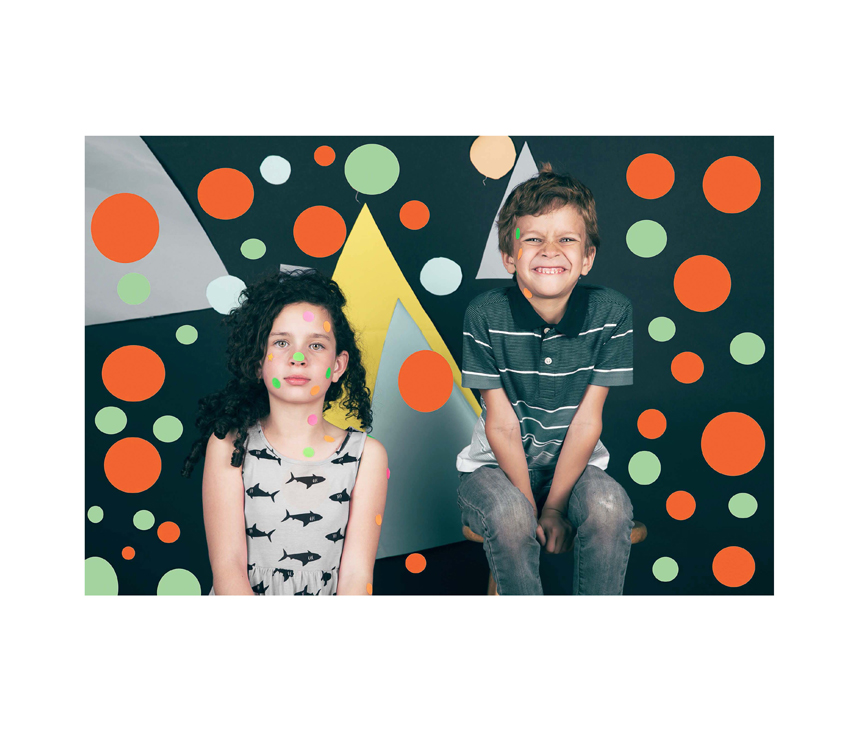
<point>545,192</point>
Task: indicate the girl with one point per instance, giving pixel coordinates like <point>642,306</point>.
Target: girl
<point>291,502</point>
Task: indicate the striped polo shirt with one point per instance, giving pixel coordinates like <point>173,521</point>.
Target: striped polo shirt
<point>544,368</point>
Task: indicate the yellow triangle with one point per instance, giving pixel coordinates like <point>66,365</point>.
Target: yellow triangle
<point>371,281</point>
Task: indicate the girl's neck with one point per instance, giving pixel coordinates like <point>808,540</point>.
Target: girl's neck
<point>292,422</point>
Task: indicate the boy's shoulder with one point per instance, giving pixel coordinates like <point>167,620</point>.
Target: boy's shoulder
<point>599,296</point>
<point>485,301</point>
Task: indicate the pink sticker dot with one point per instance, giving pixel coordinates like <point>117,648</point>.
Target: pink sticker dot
<point>388,473</point>
<point>308,316</point>
<point>312,419</point>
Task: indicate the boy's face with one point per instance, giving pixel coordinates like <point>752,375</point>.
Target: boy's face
<point>552,253</point>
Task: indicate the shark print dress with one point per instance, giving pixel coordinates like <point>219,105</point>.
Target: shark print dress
<point>296,515</point>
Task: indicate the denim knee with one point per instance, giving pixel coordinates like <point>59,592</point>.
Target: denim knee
<point>606,503</point>
<point>511,518</point>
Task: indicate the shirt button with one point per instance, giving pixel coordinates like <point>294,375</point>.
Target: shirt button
<point>548,361</point>
<point>545,329</point>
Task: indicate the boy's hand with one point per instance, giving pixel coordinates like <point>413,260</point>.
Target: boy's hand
<point>555,533</point>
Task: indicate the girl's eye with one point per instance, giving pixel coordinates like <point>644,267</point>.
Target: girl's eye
<point>319,344</point>
<point>277,342</point>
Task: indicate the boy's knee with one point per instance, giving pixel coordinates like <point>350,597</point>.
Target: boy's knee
<point>606,501</point>
<point>511,518</point>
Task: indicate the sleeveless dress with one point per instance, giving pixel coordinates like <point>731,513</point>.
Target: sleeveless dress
<point>296,515</point>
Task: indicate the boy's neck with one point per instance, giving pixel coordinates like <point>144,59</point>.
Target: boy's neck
<point>551,310</point>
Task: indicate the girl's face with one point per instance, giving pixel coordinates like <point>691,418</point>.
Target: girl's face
<point>301,361</point>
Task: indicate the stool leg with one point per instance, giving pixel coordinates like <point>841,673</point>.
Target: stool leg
<point>491,587</point>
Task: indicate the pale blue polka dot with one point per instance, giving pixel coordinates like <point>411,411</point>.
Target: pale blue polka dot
<point>223,293</point>
<point>275,169</point>
<point>441,276</point>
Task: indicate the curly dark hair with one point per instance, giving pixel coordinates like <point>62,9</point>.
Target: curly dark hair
<point>245,400</point>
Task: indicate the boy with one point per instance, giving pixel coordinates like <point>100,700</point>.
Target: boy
<point>543,353</point>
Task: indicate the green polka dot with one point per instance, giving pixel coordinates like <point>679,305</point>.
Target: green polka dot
<point>644,468</point>
<point>747,348</point>
<point>743,505</point>
<point>662,329</point>
<point>646,239</point>
<point>517,233</point>
<point>309,452</point>
<point>253,248</point>
<point>101,579</point>
<point>134,288</point>
<point>186,334</point>
<point>275,383</point>
<point>665,569</point>
<point>143,520</point>
<point>95,514</point>
<point>110,420</point>
<point>328,374</point>
<point>298,356</point>
<point>167,428</point>
<point>178,582</point>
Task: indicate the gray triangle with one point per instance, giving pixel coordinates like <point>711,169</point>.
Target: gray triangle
<point>182,263</point>
<point>491,262</point>
<point>421,510</point>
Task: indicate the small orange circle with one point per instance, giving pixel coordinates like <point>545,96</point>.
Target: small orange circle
<point>526,292</point>
<point>731,184</point>
<point>369,589</point>
<point>132,465</point>
<point>651,424</point>
<point>733,443</point>
<point>329,439</point>
<point>168,532</point>
<point>650,175</point>
<point>687,367</point>
<point>319,231</point>
<point>324,155</point>
<point>681,505</point>
<point>225,193</point>
<point>702,283</point>
<point>519,256</point>
<point>133,373</point>
<point>415,563</point>
<point>327,326</point>
<point>128,552</point>
<point>414,215</point>
<point>378,519</point>
<point>315,390</point>
<point>125,228</point>
<point>425,381</point>
<point>733,566</point>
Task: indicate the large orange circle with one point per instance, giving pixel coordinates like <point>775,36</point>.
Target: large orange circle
<point>324,155</point>
<point>650,175</point>
<point>225,193</point>
<point>687,367</point>
<point>732,443</point>
<point>319,231</point>
<point>425,381</point>
<point>168,532</point>
<point>414,215</point>
<point>652,424</point>
<point>731,184</point>
<point>733,566</point>
<point>415,563</point>
<point>133,373</point>
<point>132,465</point>
<point>681,505</point>
<point>125,227</point>
<point>702,283</point>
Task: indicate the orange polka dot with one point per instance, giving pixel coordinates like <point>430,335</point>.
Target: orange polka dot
<point>425,381</point>
<point>519,256</point>
<point>414,215</point>
<point>733,566</point>
<point>128,552</point>
<point>687,367</point>
<point>650,175</point>
<point>133,373</point>
<point>324,155</point>
<point>315,390</point>
<point>702,283</point>
<point>378,519</point>
<point>733,443</point>
<point>526,292</point>
<point>319,231</point>
<point>168,532</point>
<point>125,228</point>
<point>329,439</point>
<point>225,193</point>
<point>132,464</point>
<point>369,589</point>
<point>731,184</point>
<point>681,505</point>
<point>652,424</point>
<point>327,326</point>
<point>415,563</point>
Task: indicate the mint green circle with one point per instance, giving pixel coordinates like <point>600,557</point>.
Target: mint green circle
<point>743,505</point>
<point>309,452</point>
<point>646,239</point>
<point>662,329</point>
<point>298,357</point>
<point>134,288</point>
<point>143,520</point>
<point>110,420</point>
<point>747,348</point>
<point>178,582</point>
<point>665,569</point>
<point>644,468</point>
<point>186,334</point>
<point>168,428</point>
<point>95,514</point>
<point>253,248</point>
<point>275,383</point>
<point>371,169</point>
<point>101,579</point>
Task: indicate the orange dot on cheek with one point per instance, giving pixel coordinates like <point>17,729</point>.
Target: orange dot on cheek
<point>315,390</point>
<point>328,439</point>
<point>327,326</point>
<point>519,256</point>
<point>526,292</point>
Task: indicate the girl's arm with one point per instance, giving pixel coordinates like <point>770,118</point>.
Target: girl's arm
<point>368,499</point>
<point>224,518</point>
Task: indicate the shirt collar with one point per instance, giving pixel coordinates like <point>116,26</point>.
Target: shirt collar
<point>526,317</point>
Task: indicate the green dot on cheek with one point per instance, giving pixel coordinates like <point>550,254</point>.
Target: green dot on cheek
<point>328,374</point>
<point>275,383</point>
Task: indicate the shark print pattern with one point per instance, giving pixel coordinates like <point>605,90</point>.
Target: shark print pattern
<point>304,558</point>
<point>345,459</point>
<point>256,491</point>
<point>255,532</point>
<point>308,480</point>
<point>341,497</point>
<point>305,518</point>
<point>335,536</point>
<point>263,454</point>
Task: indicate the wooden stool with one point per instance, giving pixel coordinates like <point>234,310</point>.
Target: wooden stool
<point>638,535</point>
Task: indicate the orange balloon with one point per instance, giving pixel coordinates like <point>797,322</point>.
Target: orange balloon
<point>168,532</point>
<point>493,157</point>
<point>733,443</point>
<point>425,381</point>
<point>319,231</point>
<point>731,184</point>
<point>128,552</point>
<point>125,227</point>
<point>681,505</point>
<point>414,215</point>
<point>132,465</point>
<point>225,193</point>
<point>650,175</point>
<point>133,373</point>
<point>702,283</point>
<point>324,155</point>
<point>652,424</point>
<point>733,566</point>
<point>687,367</point>
<point>415,563</point>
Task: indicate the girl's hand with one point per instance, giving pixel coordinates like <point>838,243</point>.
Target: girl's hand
<point>558,532</point>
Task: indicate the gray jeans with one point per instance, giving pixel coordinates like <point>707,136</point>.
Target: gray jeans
<point>599,509</point>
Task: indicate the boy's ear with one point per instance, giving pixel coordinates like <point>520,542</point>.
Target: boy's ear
<point>508,261</point>
<point>588,260</point>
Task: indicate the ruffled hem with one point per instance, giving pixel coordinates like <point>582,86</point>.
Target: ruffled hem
<point>272,581</point>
